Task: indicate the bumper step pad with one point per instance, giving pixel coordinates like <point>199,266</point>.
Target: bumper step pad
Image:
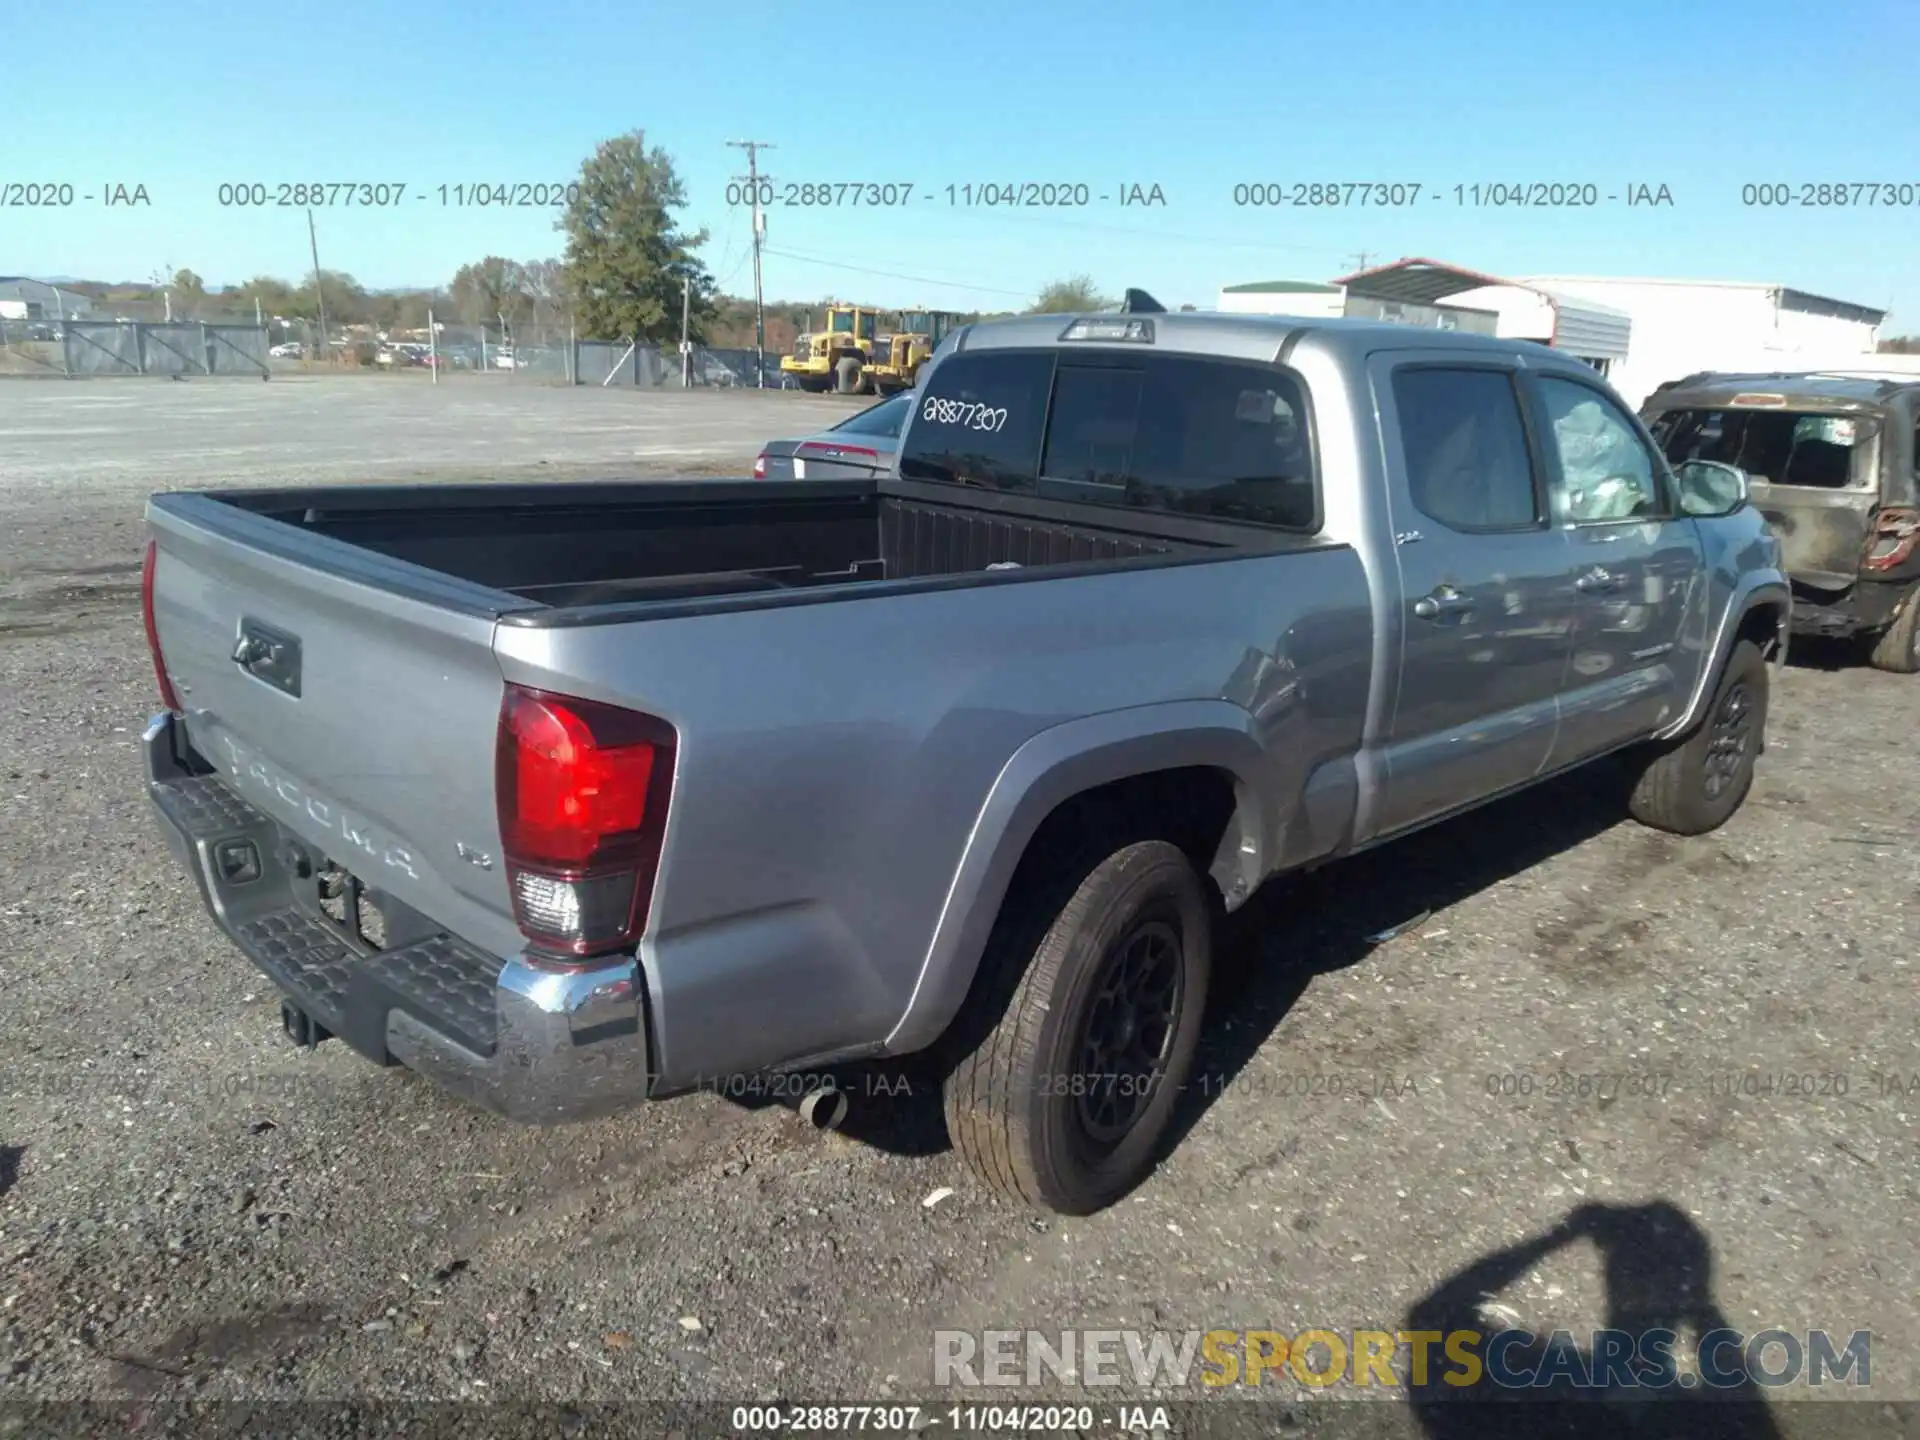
<point>441,981</point>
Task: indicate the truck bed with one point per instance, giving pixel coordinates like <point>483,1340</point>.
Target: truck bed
<point>580,545</point>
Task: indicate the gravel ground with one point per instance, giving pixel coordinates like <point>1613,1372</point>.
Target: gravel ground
<point>189,1207</point>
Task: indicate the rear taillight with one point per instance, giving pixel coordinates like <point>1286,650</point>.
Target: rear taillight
<point>1891,542</point>
<point>582,791</point>
<point>760,466</point>
<point>167,696</point>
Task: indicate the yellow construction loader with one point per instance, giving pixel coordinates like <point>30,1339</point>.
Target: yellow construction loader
<point>836,356</point>
<point>896,361</point>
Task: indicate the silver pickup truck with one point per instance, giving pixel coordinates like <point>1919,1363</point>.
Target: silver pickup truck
<point>569,795</point>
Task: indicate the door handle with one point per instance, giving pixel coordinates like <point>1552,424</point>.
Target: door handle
<point>1598,580</point>
<point>1441,603</point>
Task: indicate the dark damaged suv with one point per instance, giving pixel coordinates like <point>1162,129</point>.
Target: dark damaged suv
<point>1833,462</point>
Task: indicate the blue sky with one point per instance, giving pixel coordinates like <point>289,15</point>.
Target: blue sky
<point>1193,97</point>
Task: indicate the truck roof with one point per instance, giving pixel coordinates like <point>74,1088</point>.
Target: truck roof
<point>1813,387</point>
<point>1259,337</point>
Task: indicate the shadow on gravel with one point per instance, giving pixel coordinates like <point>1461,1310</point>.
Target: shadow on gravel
<point>10,1166</point>
<point>1266,955</point>
<point>1299,927</point>
<point>1658,1268</point>
<point>1825,652</point>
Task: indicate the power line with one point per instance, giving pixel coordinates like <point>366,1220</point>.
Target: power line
<point>893,274</point>
<point>753,149</point>
<point>1139,232</point>
<point>730,243</point>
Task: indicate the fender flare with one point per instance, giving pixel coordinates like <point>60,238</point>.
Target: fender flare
<point>1768,590</point>
<point>1052,767</point>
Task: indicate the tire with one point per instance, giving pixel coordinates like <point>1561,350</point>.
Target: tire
<point>1010,1105</point>
<point>1696,785</point>
<point>847,379</point>
<point>1898,648</point>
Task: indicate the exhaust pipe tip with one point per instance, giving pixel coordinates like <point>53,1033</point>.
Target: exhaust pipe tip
<point>824,1109</point>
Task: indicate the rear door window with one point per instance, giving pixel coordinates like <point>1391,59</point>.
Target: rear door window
<point>1468,464</point>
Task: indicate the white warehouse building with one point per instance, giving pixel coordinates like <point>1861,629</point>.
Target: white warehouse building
<point>1680,326</point>
<point>1641,333</point>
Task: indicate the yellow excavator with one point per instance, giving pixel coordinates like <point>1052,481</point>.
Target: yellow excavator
<point>896,361</point>
<point>835,357</point>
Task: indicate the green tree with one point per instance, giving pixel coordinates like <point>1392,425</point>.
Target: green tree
<point>626,256</point>
<point>490,289</point>
<point>1074,295</point>
<point>189,291</point>
<point>547,285</point>
<point>274,294</point>
<point>347,300</point>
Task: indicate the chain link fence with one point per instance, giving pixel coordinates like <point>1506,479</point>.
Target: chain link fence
<point>652,367</point>
<point>85,348</point>
<point>196,336</point>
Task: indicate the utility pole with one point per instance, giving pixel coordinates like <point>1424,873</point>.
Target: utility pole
<point>319,294</point>
<point>753,149</point>
<point>1361,259</point>
<point>686,350</point>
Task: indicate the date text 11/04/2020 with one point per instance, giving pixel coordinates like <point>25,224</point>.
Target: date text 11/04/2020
<point>993,194</point>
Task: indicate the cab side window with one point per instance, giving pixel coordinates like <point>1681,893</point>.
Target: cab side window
<point>1468,465</point>
<point>1608,471</point>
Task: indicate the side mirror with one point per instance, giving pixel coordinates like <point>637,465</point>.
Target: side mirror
<point>1709,488</point>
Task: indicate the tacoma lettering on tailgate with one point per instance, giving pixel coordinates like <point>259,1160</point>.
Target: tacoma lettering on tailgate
<point>250,769</point>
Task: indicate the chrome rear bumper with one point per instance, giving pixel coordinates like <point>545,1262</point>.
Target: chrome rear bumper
<point>528,1041</point>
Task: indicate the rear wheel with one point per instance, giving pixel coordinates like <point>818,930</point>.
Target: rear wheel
<point>846,375</point>
<point>1696,785</point>
<point>1898,648</point>
<point>1064,1100</point>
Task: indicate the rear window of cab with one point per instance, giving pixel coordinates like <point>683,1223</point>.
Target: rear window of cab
<point>1180,434</point>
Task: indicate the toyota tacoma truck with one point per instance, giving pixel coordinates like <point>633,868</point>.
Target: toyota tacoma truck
<point>568,795</point>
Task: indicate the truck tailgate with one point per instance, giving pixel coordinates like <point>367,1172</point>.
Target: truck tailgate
<point>370,734</point>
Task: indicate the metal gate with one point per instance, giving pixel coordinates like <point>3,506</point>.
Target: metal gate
<point>98,347</point>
